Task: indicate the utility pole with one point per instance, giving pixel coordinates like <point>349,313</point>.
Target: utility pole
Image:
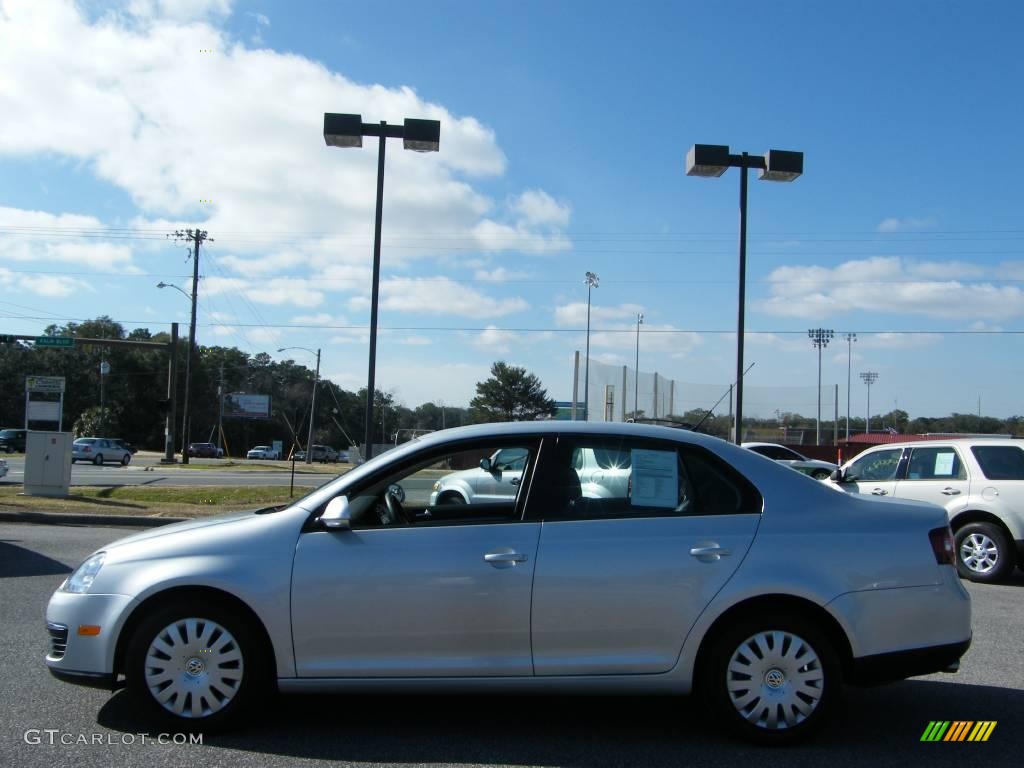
<point>850,338</point>
<point>172,398</point>
<point>312,410</point>
<point>636,370</point>
<point>220,407</point>
<point>196,237</point>
<point>820,337</point>
<point>869,378</point>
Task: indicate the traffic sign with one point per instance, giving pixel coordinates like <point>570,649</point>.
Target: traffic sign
<point>55,341</point>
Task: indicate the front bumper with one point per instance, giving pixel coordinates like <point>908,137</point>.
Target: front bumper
<point>84,656</point>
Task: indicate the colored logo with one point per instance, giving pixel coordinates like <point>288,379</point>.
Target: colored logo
<point>958,730</point>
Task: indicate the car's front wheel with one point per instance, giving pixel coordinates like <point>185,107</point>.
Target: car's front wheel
<point>771,678</point>
<point>126,459</point>
<point>820,474</point>
<point>983,553</point>
<point>198,666</point>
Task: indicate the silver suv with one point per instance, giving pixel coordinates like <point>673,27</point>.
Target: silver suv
<point>604,473</point>
<point>979,481</point>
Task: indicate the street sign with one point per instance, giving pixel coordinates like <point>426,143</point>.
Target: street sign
<point>53,384</point>
<point>55,341</point>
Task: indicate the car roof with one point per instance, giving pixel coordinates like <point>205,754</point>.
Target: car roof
<point>957,441</point>
<point>762,445</point>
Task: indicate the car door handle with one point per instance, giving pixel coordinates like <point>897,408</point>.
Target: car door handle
<point>709,554</point>
<point>950,492</point>
<point>879,492</point>
<point>515,481</point>
<point>504,559</point>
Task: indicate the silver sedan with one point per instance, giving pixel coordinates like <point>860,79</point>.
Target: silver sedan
<point>708,569</point>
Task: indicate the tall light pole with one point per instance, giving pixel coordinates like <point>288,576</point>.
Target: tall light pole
<point>869,378</point>
<point>820,337</point>
<point>189,353</point>
<point>343,130</point>
<point>850,338</point>
<point>636,370</point>
<point>592,281</point>
<point>312,401</point>
<point>712,160</point>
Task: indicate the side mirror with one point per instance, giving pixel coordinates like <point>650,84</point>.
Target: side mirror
<point>838,475</point>
<point>485,465</point>
<point>337,516</point>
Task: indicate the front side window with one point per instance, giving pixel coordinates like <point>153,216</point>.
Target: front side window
<point>935,463</point>
<point>472,485</point>
<point>608,478</point>
<point>1000,462</point>
<point>876,467</point>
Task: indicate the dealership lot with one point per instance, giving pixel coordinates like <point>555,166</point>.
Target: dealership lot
<point>880,726</point>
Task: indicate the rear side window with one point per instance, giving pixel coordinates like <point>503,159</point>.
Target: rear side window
<point>1000,462</point>
<point>935,463</point>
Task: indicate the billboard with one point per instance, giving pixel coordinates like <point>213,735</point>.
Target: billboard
<point>238,405</point>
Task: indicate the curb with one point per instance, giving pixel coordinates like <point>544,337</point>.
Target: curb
<point>62,518</point>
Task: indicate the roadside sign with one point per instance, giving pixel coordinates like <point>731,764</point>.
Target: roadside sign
<point>54,384</point>
<point>55,341</point>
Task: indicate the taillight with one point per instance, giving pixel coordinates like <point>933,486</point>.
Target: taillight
<point>943,545</point>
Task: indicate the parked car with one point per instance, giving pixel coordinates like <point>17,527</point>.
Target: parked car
<point>979,482</point>
<point>263,452</point>
<point>13,440</point>
<point>709,568</point>
<point>321,453</point>
<point>817,469</point>
<point>99,450</point>
<point>205,451</point>
<point>126,445</point>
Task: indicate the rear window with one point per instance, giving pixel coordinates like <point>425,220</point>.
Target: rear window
<point>1000,462</point>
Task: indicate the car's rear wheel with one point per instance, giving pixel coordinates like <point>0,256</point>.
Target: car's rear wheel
<point>771,679</point>
<point>98,459</point>
<point>197,666</point>
<point>983,553</point>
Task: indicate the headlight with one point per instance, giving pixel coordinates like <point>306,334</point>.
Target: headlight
<point>437,485</point>
<point>80,581</point>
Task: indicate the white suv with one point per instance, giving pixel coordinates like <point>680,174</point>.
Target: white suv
<point>979,481</point>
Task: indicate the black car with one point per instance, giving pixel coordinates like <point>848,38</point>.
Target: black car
<point>13,440</point>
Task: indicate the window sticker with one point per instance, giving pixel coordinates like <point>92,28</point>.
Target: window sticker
<point>944,464</point>
<point>655,479</point>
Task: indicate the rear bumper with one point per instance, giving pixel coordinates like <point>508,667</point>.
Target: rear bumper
<point>887,667</point>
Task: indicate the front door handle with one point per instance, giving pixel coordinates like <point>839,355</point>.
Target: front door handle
<point>515,481</point>
<point>710,553</point>
<point>950,492</point>
<point>879,492</point>
<point>506,558</point>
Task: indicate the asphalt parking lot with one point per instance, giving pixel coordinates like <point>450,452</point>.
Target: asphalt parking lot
<point>876,727</point>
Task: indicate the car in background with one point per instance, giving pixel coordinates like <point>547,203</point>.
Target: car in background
<point>321,453</point>
<point>978,481</point>
<point>126,445</point>
<point>819,470</point>
<point>13,440</point>
<point>205,451</point>
<point>685,577</point>
<point>99,450</point>
<point>263,452</point>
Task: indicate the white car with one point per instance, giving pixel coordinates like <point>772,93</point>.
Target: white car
<point>263,452</point>
<point>979,482</point>
<point>819,470</point>
<point>99,450</point>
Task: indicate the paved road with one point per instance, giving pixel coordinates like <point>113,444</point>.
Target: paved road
<point>148,471</point>
<point>878,727</point>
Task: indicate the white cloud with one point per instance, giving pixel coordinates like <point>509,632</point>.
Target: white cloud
<point>889,285</point>
<point>38,237</point>
<point>576,313</point>
<point>49,286</point>
<point>499,275</point>
<point>416,341</point>
<point>274,291</point>
<point>537,207</point>
<point>893,224</point>
<point>495,340</point>
<point>898,340</point>
<point>179,10</point>
<point>439,296</point>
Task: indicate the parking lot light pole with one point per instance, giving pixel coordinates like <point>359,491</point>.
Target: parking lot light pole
<point>820,337</point>
<point>869,378</point>
<point>312,401</point>
<point>344,130</point>
<point>591,282</point>
<point>712,160</point>
<point>636,370</point>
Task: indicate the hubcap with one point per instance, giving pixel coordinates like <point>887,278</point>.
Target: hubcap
<point>194,667</point>
<point>775,680</point>
<point>979,553</point>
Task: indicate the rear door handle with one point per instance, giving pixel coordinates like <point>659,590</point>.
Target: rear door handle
<point>879,492</point>
<point>950,492</point>
<point>504,559</point>
<point>709,554</point>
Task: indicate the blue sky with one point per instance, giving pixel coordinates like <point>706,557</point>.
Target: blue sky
<point>564,131</point>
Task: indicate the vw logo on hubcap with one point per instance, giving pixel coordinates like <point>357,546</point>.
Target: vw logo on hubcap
<point>774,679</point>
<point>194,667</point>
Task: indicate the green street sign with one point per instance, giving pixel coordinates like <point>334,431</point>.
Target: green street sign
<point>55,341</point>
